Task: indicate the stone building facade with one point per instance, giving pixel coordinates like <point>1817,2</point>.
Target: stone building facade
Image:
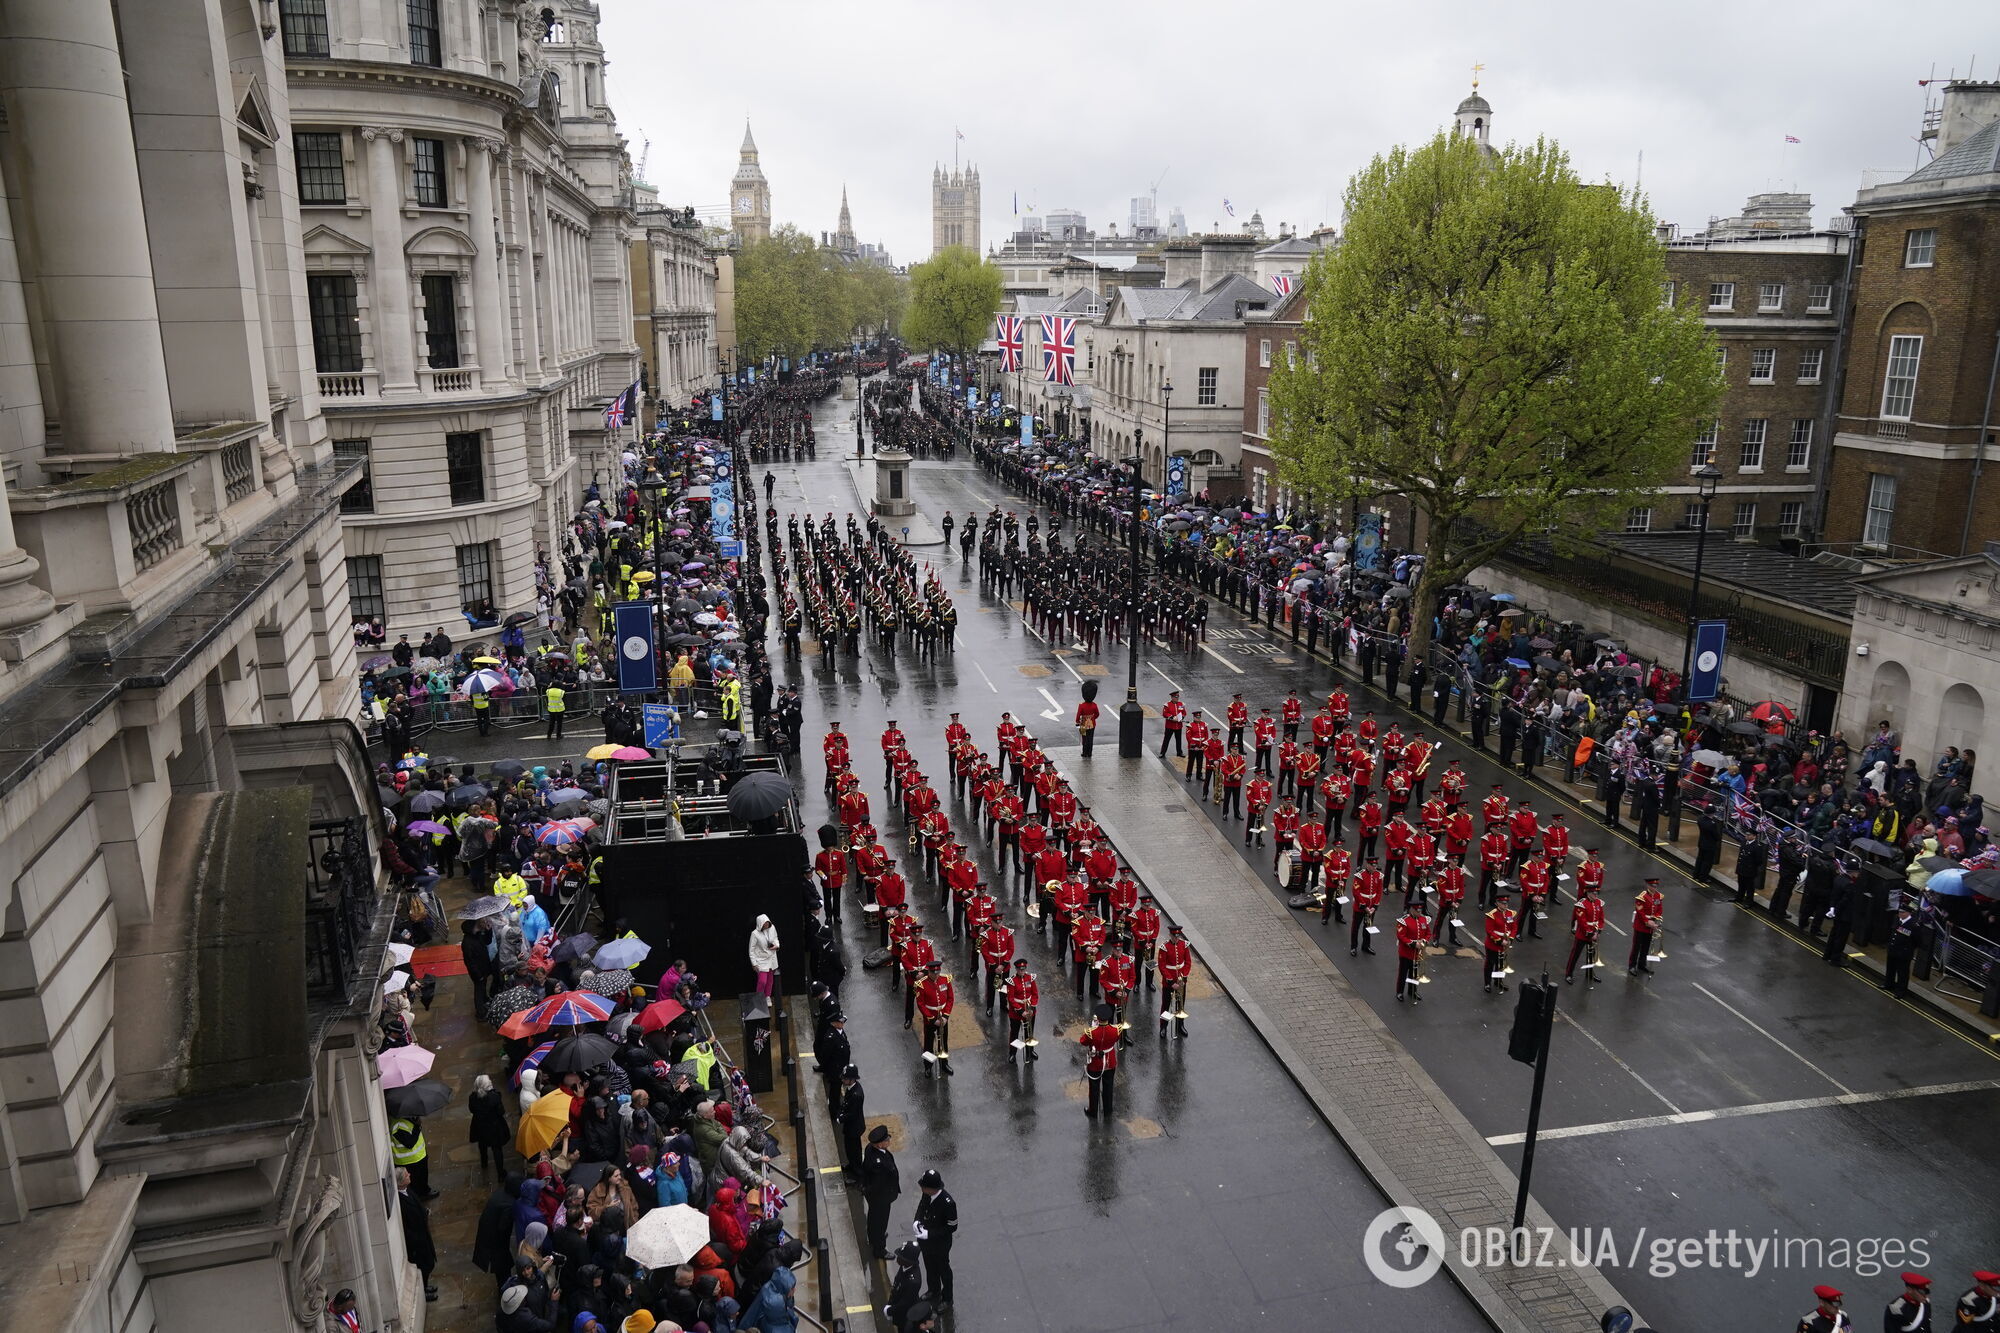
<point>1925,656</point>
<point>954,208</point>
<point>467,207</point>
<point>673,305</point>
<point>191,923</point>
<point>1907,475</point>
<point>1773,301</point>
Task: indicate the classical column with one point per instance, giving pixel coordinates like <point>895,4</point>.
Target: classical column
<point>486,316</point>
<point>531,307</point>
<point>83,221</point>
<point>389,305</point>
<point>21,601</point>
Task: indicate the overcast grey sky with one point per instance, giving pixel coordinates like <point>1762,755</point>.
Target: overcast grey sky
<point>1270,106</point>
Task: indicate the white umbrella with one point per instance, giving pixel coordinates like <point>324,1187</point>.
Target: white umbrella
<point>1711,758</point>
<point>666,1236</point>
<point>402,953</point>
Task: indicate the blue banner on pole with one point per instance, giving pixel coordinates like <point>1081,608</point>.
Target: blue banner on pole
<point>1368,542</point>
<point>632,624</point>
<point>1027,428</point>
<point>662,723</point>
<point>1705,672</point>
<point>722,498</point>
<point>1177,475</point>
<point>715,406</point>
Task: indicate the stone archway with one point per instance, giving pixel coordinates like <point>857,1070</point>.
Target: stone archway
<point>1889,695</point>
<point>1961,719</point>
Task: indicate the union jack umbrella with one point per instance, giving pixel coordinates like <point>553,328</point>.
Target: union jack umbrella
<point>1282,283</point>
<point>1058,349</point>
<point>567,1010</point>
<point>1010,340</point>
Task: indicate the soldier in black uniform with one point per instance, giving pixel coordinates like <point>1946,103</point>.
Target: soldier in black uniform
<point>881,1185</point>
<point>833,1054</point>
<point>937,1223</point>
<point>1902,950</point>
<point>947,526</point>
<point>1827,1316</point>
<point>1979,1308</point>
<point>1646,812</point>
<point>853,1118</point>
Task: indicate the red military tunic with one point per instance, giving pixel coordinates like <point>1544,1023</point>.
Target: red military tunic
<point>1413,931</point>
<point>892,740</point>
<point>1458,833</point>
<point>917,951</point>
<point>981,911</point>
<point>1023,995</point>
<point>854,808</point>
<point>891,890</point>
<point>1173,712</point>
<point>1493,810</point>
<point>1176,961</point>
<point>1087,933</point>
<point>1451,886</point>
<point>831,867</point>
<point>1339,865</point>
<point>1145,924</point>
<point>1124,899</point>
<point>1285,824</point>
<point>1292,710</point>
<point>1312,843</point>
<point>1336,789</point>
<point>1555,841</point>
<point>1523,827</point>
<point>1306,764</point>
<point>1101,865</point>
<point>1368,889</point>
<point>1586,919</point>
<point>1071,898</point>
<point>1502,924</point>
<point>1535,877</point>
<point>1265,733</point>
<point>1117,977</point>
<point>1369,816</point>
<point>1396,840</point>
<point>1648,910</point>
<point>1590,875</point>
<point>1494,849</point>
<point>1452,784</point>
<point>1233,767</point>
<point>1101,1040</point>
<point>1258,794</point>
<point>1050,864</point>
<point>1197,732</point>
<point>1033,838</point>
<point>935,997</point>
<point>1338,706</point>
<point>1323,728</point>
<point>1239,713</point>
<point>996,945</point>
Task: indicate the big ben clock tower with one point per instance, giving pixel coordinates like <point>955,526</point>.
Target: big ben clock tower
<point>749,195</point>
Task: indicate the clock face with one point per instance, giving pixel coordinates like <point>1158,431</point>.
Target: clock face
<point>743,203</point>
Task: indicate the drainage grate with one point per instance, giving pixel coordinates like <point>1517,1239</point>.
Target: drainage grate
<point>1175,809</point>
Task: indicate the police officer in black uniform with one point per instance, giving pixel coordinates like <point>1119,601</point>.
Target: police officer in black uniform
<point>937,1223</point>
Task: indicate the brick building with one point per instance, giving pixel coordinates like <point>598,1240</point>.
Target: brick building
<point>1769,289</point>
<point>1917,394</point>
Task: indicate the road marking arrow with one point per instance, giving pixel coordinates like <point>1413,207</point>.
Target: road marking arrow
<point>1055,708</point>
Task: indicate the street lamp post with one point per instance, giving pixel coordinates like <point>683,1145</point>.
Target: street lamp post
<point>1707,478</point>
<point>1132,717</point>
<point>1166,428</point>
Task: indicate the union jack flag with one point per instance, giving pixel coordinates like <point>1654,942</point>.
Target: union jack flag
<point>620,409</point>
<point>1010,340</point>
<point>1282,283</point>
<point>1058,349</point>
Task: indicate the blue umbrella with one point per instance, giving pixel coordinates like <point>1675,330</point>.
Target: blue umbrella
<point>1949,884</point>
<point>561,794</point>
<point>627,952</point>
<point>1503,596</point>
<point>1517,663</point>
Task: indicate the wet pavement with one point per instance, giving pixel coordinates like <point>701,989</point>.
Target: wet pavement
<point>1748,1087</point>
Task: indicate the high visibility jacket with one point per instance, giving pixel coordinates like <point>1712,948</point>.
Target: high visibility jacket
<point>406,1143</point>
<point>554,696</point>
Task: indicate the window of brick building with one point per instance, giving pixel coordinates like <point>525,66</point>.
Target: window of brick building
<point>364,587</point>
<point>1754,434</point>
<point>1639,519</point>
<point>1763,364</point>
<point>1668,292</point>
<point>1264,353</point>
<point>1809,365</point>
<point>1798,451</point>
<point>1704,445</point>
<point>1692,519</point>
<point>1880,519</point>
<point>1263,411</point>
<point>1819,298</point>
<point>1920,247</point>
<point>1721,296</point>
<point>1744,521</point>
<point>1791,517</point>
<point>1770,296</point>
<point>1899,384</point>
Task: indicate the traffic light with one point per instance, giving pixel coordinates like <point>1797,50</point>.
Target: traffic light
<point>1532,1011</point>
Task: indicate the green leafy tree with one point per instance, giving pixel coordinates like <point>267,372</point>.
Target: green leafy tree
<point>777,313</point>
<point>881,297</point>
<point>1489,342</point>
<point>953,297</point>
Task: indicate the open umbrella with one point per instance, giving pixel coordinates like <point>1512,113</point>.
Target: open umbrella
<point>1518,663</point>
<point>601,751</point>
<point>1873,847</point>
<point>427,826</point>
<point>1952,883</point>
<point>579,1054</point>
<point>462,797</point>
<point>631,752</point>
<point>486,661</point>
<point>426,801</point>
<point>513,1000</point>
<point>376,662</point>
<point>509,768</point>
<point>561,794</point>
<point>1985,882</point>
<point>1934,864</point>
<point>544,1122</point>
<point>622,953</point>
<point>426,1096</point>
<point>1710,759</point>
<point>572,1008</point>
<point>1398,593</point>
<point>402,1065</point>
<point>613,983</point>
<point>563,832</point>
<point>1547,663</point>
<point>1503,596</point>
<point>388,795</point>
<point>666,1236</point>
<point>759,795</point>
<point>1540,644</point>
<point>659,1014</point>
<point>1770,711</point>
<point>1742,728</point>
<point>488,681</point>
<point>580,945</point>
<point>533,1060</point>
<point>481,908</point>
<point>519,618</point>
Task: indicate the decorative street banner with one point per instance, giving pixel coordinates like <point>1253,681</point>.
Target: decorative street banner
<point>1027,428</point>
<point>1177,475</point>
<point>722,498</point>
<point>715,406</point>
<point>632,624</point>
<point>1705,676</point>
<point>972,397</point>
<point>1368,542</point>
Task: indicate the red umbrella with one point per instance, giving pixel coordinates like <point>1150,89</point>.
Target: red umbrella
<point>1771,712</point>
<point>658,1014</point>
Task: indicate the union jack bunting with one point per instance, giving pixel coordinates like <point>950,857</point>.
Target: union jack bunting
<point>1282,283</point>
<point>1058,349</point>
<point>1010,340</point>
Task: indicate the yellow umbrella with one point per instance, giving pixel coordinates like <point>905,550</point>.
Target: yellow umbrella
<point>602,751</point>
<point>543,1123</point>
<point>486,661</point>
<point>644,576</point>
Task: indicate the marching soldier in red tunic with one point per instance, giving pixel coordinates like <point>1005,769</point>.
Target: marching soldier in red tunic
<point>1145,927</point>
<point>1305,769</point>
<point>1323,729</point>
<point>1555,840</point>
<point>1458,834</point>
<point>1451,784</point>
<point>996,947</point>
<point>1284,829</point>
<point>1121,903</point>
<point>1501,927</point>
<point>1312,851</point>
<point>892,741</point>
<point>1368,820</point>
<point>1494,810</point>
<point>1335,790</point>
<point>1333,885</point>
<point>1534,893</point>
<point>1451,893</point>
<point>1257,797</point>
<point>1023,998</point>
<point>1115,982</point>
<point>1006,810</point>
<point>1586,920</point>
<point>1417,756</point>
<point>934,1002</point>
<point>1412,933</point>
<point>1087,935</point>
<point>1197,743</point>
<point>1649,914</point>
<point>1239,718</point>
<point>1396,845</point>
<point>982,909</point>
<point>1072,899</point>
<point>1101,1040</point>
<point>1263,736</point>
<point>831,868</point>
<point>1291,713</point>
<point>1367,898</point>
<point>1288,771</point>
<point>892,891</point>
<point>1234,765</point>
<point>1494,849</point>
<point>1339,707</point>
<point>1029,843</point>
<point>1175,965</point>
<point>1523,829</point>
<point>916,957</point>
<point>1173,714</point>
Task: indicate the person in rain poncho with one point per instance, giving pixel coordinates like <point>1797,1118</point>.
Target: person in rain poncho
<point>764,955</point>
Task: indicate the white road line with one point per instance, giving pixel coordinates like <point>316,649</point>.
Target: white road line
<point>988,679</point>
<point>1773,1037</point>
<point>1172,684</point>
<point>1055,705</point>
<point>1220,658</point>
<point>1637,1077</point>
<point>1072,670</point>
<point>1756,1108</point>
